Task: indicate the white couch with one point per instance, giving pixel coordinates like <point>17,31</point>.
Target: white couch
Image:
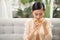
<point>13,29</point>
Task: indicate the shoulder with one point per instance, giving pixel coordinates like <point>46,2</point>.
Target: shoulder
<point>46,20</point>
<point>28,21</point>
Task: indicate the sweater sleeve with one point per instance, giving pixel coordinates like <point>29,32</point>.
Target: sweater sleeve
<point>49,27</point>
<point>26,31</point>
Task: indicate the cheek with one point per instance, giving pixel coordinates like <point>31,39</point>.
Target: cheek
<point>33,14</point>
<point>42,14</point>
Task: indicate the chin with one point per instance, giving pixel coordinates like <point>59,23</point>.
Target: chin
<point>39,18</point>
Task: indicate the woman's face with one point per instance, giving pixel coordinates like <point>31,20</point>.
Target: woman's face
<point>38,13</point>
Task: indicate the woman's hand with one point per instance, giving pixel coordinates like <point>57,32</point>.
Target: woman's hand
<point>37,25</point>
<point>45,28</point>
<point>35,29</point>
<point>44,23</point>
<point>30,36</point>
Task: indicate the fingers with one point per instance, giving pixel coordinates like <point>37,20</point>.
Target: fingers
<point>37,24</point>
<point>36,29</point>
<point>44,23</point>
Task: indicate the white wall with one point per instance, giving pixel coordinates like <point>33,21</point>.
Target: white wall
<point>5,9</point>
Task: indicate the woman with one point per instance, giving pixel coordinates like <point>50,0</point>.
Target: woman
<point>38,28</point>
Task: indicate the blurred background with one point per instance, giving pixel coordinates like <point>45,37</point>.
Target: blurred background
<point>22,8</point>
<point>14,14</point>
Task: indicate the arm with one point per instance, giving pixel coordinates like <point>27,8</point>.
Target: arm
<point>27,34</point>
<point>26,31</point>
<point>48,30</point>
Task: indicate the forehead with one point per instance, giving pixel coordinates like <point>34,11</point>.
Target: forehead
<point>38,11</point>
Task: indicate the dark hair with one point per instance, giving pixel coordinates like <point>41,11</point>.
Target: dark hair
<point>38,5</point>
